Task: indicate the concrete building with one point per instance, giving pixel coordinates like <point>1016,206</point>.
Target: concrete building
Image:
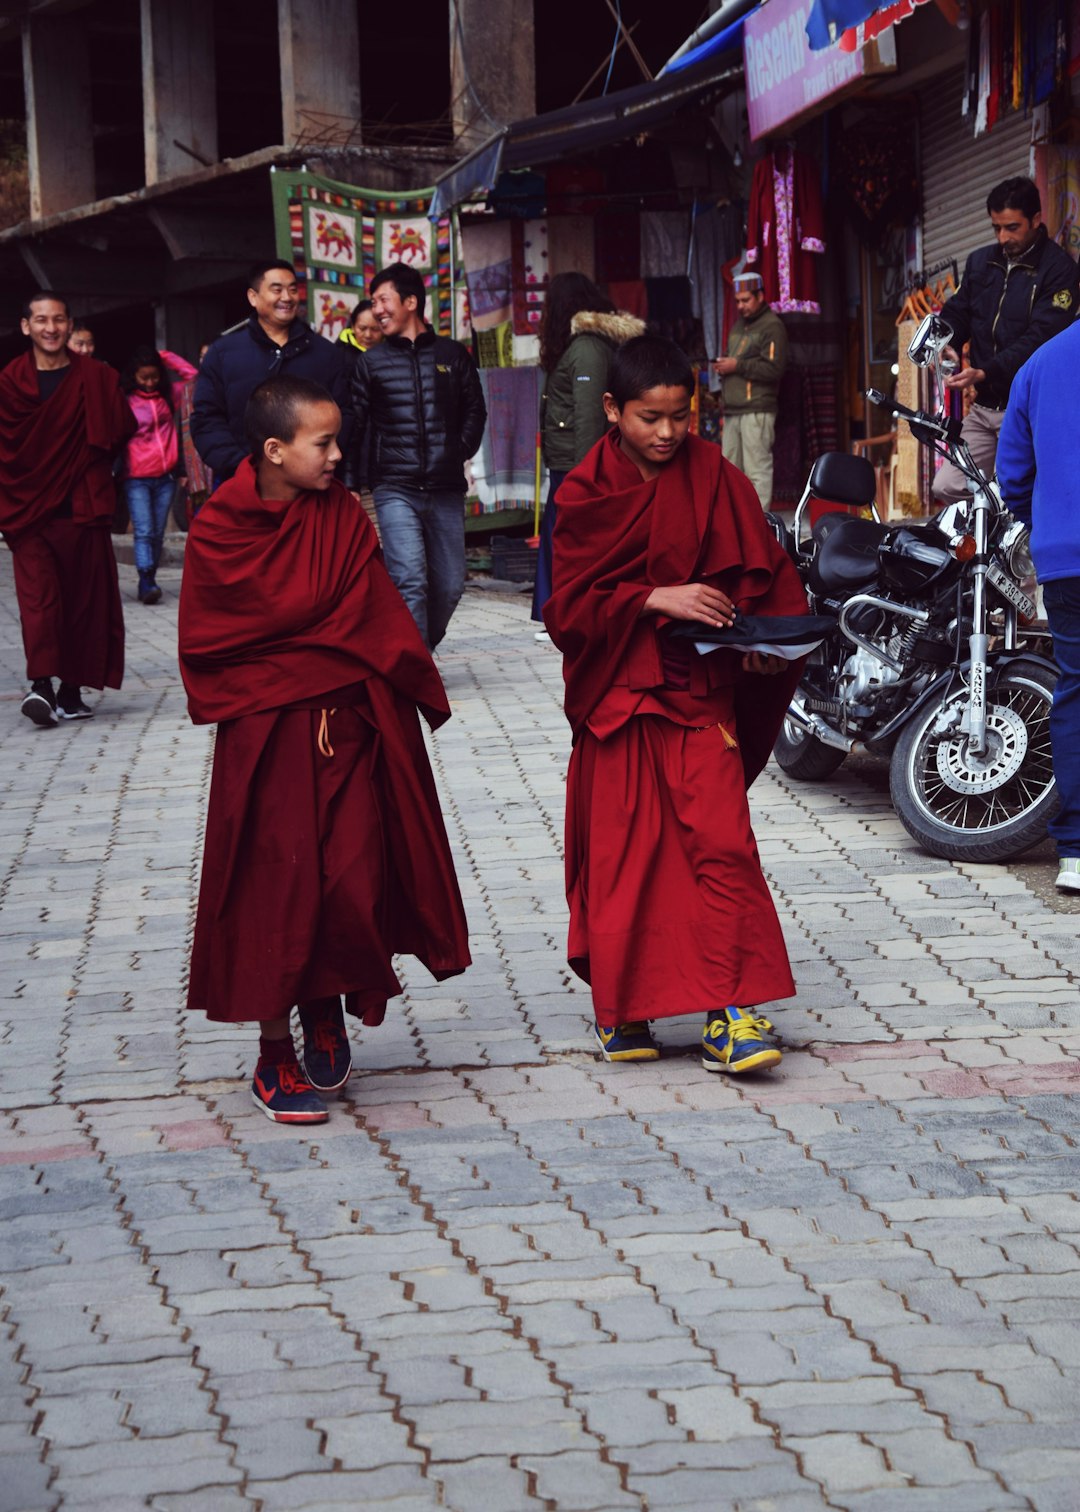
<point>151,126</point>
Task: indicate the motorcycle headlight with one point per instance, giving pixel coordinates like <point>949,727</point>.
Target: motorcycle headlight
<point>1016,550</point>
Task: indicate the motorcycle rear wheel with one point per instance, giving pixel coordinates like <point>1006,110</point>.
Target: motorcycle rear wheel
<point>804,756</point>
<point>963,809</point>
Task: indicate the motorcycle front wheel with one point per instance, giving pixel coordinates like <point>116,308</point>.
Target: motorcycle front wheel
<point>989,808</point>
<point>804,756</point>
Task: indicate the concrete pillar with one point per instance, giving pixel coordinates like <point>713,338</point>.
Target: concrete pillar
<point>319,42</point>
<point>179,95</point>
<point>59,126</point>
<point>492,66</point>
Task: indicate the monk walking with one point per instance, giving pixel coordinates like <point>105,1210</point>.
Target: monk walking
<point>669,910</point>
<point>325,849</point>
<point>62,420</point>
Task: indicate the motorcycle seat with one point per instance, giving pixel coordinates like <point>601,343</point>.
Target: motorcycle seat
<point>846,557</point>
<point>843,479</point>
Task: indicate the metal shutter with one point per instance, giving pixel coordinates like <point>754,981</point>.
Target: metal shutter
<point>959,170</point>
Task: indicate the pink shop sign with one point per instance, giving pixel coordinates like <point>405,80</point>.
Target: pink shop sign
<point>784,78</point>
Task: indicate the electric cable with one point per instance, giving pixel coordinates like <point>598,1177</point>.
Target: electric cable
<point>614,44</point>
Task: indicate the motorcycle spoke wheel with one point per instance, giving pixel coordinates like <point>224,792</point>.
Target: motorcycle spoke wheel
<point>985,808</point>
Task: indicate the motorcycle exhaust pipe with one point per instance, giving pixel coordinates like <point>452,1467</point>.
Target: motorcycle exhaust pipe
<point>810,724</point>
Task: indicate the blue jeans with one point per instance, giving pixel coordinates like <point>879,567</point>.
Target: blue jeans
<point>542,587</point>
<point>1062,600</point>
<point>423,542</point>
<point>148,501</point>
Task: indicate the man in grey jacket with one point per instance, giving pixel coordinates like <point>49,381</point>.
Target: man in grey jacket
<point>755,362</point>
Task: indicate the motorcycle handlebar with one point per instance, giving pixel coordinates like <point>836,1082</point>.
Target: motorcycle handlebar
<point>943,428</point>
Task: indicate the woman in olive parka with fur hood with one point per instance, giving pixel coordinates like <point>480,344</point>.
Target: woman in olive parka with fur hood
<point>579,332</point>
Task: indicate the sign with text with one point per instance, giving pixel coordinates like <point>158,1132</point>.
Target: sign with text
<point>784,79</point>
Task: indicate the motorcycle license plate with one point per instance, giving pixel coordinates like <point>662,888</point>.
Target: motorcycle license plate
<point>1009,591</point>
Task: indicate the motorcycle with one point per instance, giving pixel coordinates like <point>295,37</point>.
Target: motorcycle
<point>925,663</point>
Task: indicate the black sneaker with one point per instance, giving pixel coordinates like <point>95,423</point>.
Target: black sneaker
<point>149,592</point>
<point>39,705</point>
<point>327,1055</point>
<point>69,704</point>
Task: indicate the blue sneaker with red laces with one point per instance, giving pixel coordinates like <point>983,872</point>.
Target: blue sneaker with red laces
<point>286,1096</point>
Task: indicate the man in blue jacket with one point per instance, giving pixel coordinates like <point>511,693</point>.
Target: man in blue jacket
<point>1013,296</point>
<point>1038,467</point>
<point>273,341</point>
<point>417,400</point>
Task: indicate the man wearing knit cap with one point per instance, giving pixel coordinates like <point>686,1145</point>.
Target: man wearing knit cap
<point>757,352</point>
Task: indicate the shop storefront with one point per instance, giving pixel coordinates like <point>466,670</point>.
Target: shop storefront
<point>853,175</point>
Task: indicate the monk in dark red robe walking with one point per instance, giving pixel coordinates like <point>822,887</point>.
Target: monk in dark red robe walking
<point>669,910</point>
<point>62,420</point>
<point>325,848</point>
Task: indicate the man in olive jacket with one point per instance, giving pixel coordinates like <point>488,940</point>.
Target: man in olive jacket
<point>1013,296</point>
<point>420,413</point>
<point>756,358</point>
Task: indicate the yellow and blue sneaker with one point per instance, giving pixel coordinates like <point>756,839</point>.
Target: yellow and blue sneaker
<point>733,1040</point>
<point>627,1042</point>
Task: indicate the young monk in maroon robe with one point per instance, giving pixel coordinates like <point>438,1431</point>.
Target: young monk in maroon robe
<point>669,911</point>
<point>325,849</point>
<point>62,419</point>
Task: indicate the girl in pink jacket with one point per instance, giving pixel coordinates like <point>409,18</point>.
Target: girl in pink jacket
<point>151,456</point>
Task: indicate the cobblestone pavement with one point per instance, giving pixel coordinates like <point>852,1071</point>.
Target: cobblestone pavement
<point>506,1275</point>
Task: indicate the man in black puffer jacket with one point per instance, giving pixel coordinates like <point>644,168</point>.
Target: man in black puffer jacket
<point>1013,297</point>
<point>272,342</point>
<point>419,396</point>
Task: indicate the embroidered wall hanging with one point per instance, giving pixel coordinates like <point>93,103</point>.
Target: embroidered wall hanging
<point>338,236</point>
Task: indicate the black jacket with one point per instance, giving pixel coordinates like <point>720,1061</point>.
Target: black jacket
<point>425,409</point>
<point>1009,308</point>
<point>234,367</point>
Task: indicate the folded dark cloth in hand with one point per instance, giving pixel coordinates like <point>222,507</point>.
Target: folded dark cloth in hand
<point>786,635</point>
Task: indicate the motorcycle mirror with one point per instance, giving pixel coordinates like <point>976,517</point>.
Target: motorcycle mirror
<point>930,340</point>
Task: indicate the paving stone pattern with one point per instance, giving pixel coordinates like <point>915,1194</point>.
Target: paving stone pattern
<point>506,1275</point>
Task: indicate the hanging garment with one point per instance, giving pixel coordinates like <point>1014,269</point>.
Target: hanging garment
<point>875,171</point>
<point>529,274</point>
<point>504,469</point>
<point>630,296</point>
<point>717,241</point>
<point>572,245</point>
<point>983,104</point>
<point>487,251</point>
<point>786,229</point>
<point>618,247</point>
<point>665,243</point>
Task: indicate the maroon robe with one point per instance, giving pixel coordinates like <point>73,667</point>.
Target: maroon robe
<point>57,499</point>
<point>325,848</point>
<point>669,911</point>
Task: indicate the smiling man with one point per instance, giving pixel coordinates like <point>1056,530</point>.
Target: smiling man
<point>417,398</point>
<point>62,420</point>
<point>274,341</point>
<point>1013,296</point>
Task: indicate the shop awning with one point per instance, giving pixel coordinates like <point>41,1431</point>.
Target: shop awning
<point>583,128</point>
